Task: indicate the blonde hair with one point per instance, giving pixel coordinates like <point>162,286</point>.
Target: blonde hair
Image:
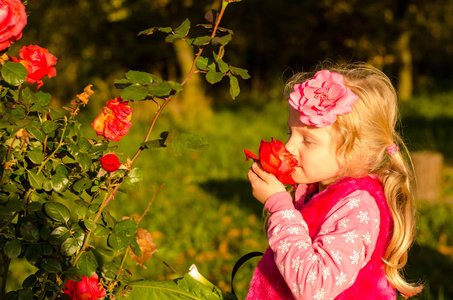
<point>360,141</point>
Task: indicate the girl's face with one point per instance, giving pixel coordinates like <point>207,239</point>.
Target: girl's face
<point>312,148</point>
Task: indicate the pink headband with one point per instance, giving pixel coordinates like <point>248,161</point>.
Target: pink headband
<point>321,99</point>
<point>392,150</point>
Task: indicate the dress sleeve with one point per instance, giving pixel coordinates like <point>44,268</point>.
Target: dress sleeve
<point>324,267</point>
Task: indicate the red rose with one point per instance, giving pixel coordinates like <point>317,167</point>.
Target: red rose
<point>38,62</point>
<point>113,122</point>
<point>120,108</point>
<point>12,20</point>
<point>275,159</point>
<point>110,162</point>
<point>87,289</point>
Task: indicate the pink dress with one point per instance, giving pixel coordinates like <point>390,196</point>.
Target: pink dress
<point>329,247</point>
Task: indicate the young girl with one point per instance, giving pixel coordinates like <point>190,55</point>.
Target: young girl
<point>346,232</point>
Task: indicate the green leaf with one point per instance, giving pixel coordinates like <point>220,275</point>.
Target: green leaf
<point>128,227</point>
<point>57,211</point>
<point>139,77</point>
<point>175,144</point>
<point>35,156</point>
<point>84,160</point>
<point>99,147</point>
<point>234,86</point>
<point>29,232</point>
<point>151,30</point>
<point>153,145</point>
<point>134,92</point>
<point>28,96</point>
<point>49,126</point>
<point>179,32</point>
<point>35,180</point>
<point>134,176</point>
<point>43,98</point>
<point>122,83</point>
<point>12,248</point>
<point>205,63</point>
<point>118,241</point>
<point>220,54</point>
<point>223,40</point>
<point>213,76</point>
<point>101,231</point>
<point>14,73</point>
<point>160,90</point>
<point>241,72</point>
<point>90,224</point>
<point>59,182</point>
<point>33,129</point>
<point>182,288</point>
<point>202,40</point>
<point>194,141</point>
<point>223,66</point>
<point>74,274</point>
<point>71,245</point>
<point>87,264</point>
<point>51,266</point>
<point>59,235</point>
<point>82,184</point>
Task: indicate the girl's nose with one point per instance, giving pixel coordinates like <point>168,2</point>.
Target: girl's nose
<point>290,146</point>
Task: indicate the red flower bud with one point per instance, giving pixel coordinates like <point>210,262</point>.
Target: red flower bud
<point>275,159</point>
<point>110,162</point>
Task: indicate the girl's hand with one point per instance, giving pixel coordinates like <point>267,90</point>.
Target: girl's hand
<point>263,183</point>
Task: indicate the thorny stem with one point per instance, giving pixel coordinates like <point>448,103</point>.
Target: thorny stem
<point>150,202</point>
<point>55,151</point>
<point>154,120</point>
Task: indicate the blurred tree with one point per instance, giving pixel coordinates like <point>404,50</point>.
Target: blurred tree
<point>97,40</point>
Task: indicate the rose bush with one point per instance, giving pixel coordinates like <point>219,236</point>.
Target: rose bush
<point>56,183</point>
<point>38,62</point>
<point>13,19</point>
<point>275,159</point>
<point>86,289</point>
<point>322,98</point>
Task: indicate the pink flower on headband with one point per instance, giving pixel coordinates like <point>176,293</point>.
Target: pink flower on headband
<point>321,99</point>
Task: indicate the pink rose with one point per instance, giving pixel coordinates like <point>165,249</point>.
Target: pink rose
<point>110,162</point>
<point>87,289</point>
<point>275,159</point>
<point>12,20</point>
<point>322,98</point>
<point>38,62</point>
<point>114,121</point>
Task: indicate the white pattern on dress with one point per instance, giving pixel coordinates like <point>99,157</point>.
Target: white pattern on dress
<point>366,238</point>
<point>276,230</point>
<point>302,244</point>
<point>377,222</point>
<point>294,230</point>
<point>288,214</point>
<point>284,246</point>
<point>328,239</point>
<point>342,223</point>
<point>320,294</point>
<point>363,217</point>
<point>311,277</point>
<point>353,202</point>
<point>350,236</point>
<point>296,263</point>
<point>340,279</point>
<point>325,272</point>
<point>354,257</point>
<point>336,256</point>
<point>296,289</point>
<point>314,257</point>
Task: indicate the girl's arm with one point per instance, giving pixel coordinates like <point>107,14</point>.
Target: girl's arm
<point>323,267</point>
